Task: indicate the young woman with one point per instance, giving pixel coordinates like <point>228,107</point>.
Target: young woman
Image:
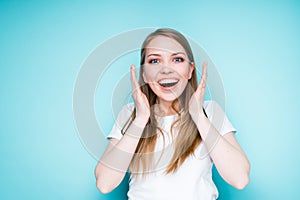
<point>169,137</point>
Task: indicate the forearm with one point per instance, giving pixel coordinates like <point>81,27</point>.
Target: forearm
<point>114,163</point>
<point>229,159</point>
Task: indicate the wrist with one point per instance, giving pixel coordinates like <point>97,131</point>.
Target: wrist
<point>200,118</point>
<point>197,115</point>
<point>140,122</point>
<point>136,129</point>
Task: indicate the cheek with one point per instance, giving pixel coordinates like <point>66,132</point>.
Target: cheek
<point>149,75</point>
<point>184,73</point>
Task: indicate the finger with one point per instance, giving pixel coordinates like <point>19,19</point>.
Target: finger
<point>200,92</point>
<point>204,70</point>
<point>204,67</point>
<point>201,89</point>
<point>201,85</point>
<point>134,84</point>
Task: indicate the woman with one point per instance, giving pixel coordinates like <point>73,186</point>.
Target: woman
<point>169,138</point>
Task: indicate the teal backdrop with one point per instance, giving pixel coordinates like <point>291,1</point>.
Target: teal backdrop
<point>255,46</point>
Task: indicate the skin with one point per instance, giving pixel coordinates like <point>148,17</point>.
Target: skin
<point>227,155</point>
<point>166,59</point>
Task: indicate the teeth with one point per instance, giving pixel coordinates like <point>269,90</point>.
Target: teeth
<point>168,82</point>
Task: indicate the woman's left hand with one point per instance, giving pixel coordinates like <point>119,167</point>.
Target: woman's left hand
<point>197,99</point>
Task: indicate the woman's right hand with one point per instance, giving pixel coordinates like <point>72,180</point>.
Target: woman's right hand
<point>140,100</point>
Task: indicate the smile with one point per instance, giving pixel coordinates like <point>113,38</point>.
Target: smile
<point>168,82</point>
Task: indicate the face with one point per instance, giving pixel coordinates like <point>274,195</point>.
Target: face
<point>166,68</point>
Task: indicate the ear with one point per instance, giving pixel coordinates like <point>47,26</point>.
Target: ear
<point>192,68</point>
<point>144,77</point>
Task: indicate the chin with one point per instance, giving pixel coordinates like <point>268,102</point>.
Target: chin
<point>168,98</point>
<point>167,95</point>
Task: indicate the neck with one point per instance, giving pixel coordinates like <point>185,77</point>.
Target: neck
<point>164,108</point>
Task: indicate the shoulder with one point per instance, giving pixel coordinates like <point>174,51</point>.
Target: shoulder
<point>128,107</point>
<point>126,111</point>
<point>209,103</point>
<point>218,117</point>
<point>212,107</point>
<point>120,121</point>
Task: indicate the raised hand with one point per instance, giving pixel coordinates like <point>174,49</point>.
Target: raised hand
<point>140,100</point>
<point>197,99</point>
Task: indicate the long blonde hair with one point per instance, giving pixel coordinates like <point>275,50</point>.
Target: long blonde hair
<point>188,137</point>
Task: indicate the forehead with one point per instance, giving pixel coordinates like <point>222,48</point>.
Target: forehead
<point>165,44</point>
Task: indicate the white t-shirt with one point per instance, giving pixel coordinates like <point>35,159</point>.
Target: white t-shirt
<point>193,179</point>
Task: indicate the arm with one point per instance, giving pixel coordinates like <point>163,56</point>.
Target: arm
<point>230,160</point>
<point>227,155</point>
<point>114,163</point>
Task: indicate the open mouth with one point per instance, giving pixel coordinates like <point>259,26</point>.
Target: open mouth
<point>168,82</point>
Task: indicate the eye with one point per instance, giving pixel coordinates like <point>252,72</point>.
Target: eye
<point>178,59</point>
<point>153,61</point>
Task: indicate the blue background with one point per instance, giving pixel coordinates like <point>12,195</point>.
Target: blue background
<point>255,46</point>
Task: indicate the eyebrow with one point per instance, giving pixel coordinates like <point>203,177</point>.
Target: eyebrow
<point>173,54</point>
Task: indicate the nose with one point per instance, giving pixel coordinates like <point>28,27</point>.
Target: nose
<point>166,69</point>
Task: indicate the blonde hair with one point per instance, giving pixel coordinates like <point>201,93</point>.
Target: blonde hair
<point>188,137</point>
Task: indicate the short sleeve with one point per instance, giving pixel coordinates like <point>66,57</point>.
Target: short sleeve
<point>122,118</point>
<point>217,117</point>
